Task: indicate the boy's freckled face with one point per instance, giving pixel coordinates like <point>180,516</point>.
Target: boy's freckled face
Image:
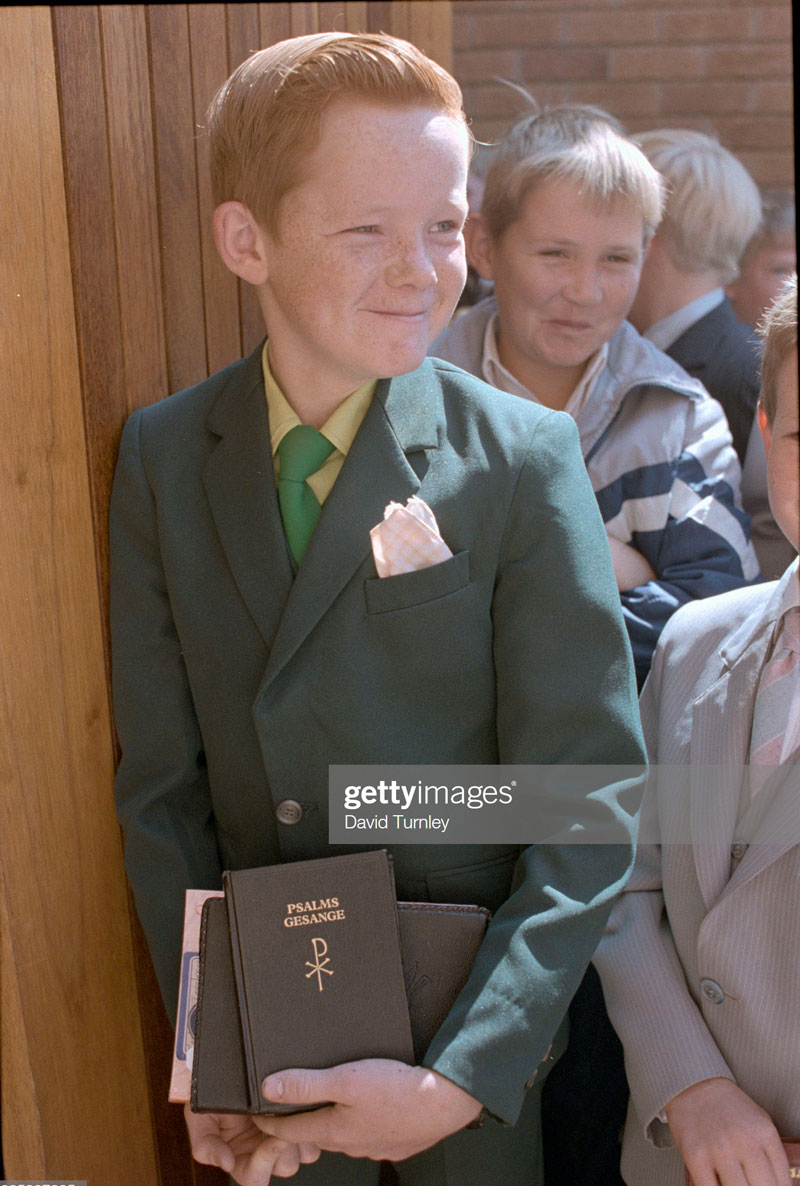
<point>369,262</point>
<point>783,454</point>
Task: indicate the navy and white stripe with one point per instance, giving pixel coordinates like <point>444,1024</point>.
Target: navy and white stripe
<point>660,458</point>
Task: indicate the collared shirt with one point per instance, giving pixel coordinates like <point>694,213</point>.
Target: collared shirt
<point>790,603</point>
<point>340,428</point>
<point>499,376</point>
<point>663,333</point>
<point>791,594</point>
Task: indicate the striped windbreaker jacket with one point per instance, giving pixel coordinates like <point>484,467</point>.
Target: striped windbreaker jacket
<point>660,459</point>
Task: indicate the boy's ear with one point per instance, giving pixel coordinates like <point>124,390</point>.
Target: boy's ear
<point>240,242</point>
<point>479,246</point>
<point>763,424</point>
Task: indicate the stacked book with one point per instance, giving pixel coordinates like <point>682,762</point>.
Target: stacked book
<point>315,963</point>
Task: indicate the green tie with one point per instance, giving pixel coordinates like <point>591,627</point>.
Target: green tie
<point>302,451</point>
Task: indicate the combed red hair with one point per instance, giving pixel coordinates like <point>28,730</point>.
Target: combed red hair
<point>266,118</point>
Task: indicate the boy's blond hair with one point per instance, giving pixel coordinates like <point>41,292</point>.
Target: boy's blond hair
<point>265,119</point>
<point>713,204</point>
<point>572,142</point>
<point>778,332</point>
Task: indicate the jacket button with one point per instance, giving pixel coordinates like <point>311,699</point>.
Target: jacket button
<point>712,991</point>
<point>738,851</point>
<point>288,811</point>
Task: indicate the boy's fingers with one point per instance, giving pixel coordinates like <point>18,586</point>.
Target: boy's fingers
<point>304,1087</point>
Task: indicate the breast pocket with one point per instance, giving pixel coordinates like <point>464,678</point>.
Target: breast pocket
<point>384,594</point>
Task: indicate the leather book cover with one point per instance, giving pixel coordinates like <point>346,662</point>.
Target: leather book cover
<point>438,944</point>
<point>316,961</point>
<point>219,1070</point>
<point>792,1151</point>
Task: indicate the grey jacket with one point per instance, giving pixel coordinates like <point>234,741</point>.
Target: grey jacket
<point>659,456</point>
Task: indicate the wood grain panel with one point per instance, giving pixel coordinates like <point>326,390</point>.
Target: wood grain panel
<point>303,18</point>
<point>274,22</point>
<point>337,17</point>
<point>65,910</point>
<point>379,17</point>
<point>92,243</point>
<point>428,24</point>
<point>207,38</point>
<point>132,160</point>
<point>331,17</point>
<point>137,275</point>
<point>178,204</point>
<point>21,1143</point>
<point>112,294</point>
<point>244,38</point>
<point>355,15</point>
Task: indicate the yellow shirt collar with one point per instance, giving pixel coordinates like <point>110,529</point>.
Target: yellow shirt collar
<point>341,426</point>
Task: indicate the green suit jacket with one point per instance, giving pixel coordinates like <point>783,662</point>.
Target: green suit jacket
<point>236,682</point>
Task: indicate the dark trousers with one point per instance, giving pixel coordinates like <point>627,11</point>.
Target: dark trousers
<point>585,1097</point>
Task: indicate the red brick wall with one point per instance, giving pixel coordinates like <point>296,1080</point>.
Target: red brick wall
<point>721,66</point>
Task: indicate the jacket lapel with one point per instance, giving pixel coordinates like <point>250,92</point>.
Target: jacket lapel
<point>779,829</point>
<point>721,723</point>
<point>715,775</point>
<point>698,343</point>
<point>774,814</point>
<point>240,486</point>
<point>385,463</point>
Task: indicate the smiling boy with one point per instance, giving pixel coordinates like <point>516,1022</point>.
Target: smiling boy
<point>249,654</point>
<point>347,299</point>
<point>569,209</point>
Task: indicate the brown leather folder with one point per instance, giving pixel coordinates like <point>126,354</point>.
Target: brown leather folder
<point>438,944</point>
<point>244,971</point>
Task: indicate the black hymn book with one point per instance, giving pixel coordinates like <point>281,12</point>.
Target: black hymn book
<point>300,966</point>
<point>315,960</point>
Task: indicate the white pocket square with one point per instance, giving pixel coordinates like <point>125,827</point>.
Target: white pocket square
<point>408,538</point>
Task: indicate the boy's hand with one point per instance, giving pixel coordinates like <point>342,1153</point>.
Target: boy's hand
<point>630,567</point>
<point>380,1108</point>
<point>237,1146</point>
<point>724,1138</point>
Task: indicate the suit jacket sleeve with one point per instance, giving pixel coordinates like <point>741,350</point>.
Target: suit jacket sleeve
<point>162,790</point>
<point>703,548</point>
<point>565,695</point>
<point>667,1044</point>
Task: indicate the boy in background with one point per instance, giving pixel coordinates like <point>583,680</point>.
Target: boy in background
<point>570,208</point>
<point>700,961</point>
<point>769,258</point>
<point>713,208</point>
